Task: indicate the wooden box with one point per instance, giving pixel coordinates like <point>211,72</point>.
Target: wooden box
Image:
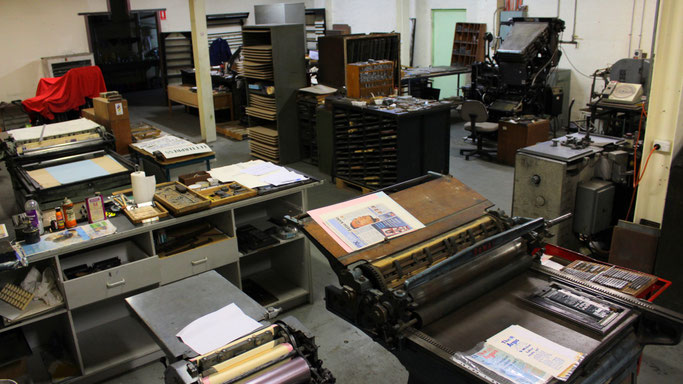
<point>119,127</point>
<point>513,135</point>
<point>369,79</point>
<point>110,110</point>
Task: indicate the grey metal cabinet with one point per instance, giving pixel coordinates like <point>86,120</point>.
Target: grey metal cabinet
<point>94,331</point>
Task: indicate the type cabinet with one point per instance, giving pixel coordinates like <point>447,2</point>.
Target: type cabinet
<point>93,332</point>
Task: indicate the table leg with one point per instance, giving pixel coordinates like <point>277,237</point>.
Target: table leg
<point>169,106</point>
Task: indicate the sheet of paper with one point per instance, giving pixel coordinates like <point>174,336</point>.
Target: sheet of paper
<point>505,365</point>
<point>282,177</point>
<point>365,221</point>
<point>161,143</point>
<point>537,351</point>
<point>236,172</point>
<point>216,329</point>
<point>261,169</point>
<point>184,150</point>
<point>547,260</point>
<point>3,231</point>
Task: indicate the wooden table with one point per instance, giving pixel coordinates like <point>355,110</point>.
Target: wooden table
<point>182,94</point>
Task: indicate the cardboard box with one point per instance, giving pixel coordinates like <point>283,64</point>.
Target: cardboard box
<point>110,110</point>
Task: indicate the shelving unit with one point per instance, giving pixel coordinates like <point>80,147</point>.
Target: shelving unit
<point>316,24</point>
<point>468,44</point>
<point>94,325</point>
<point>375,149</point>
<point>177,53</point>
<point>275,68</point>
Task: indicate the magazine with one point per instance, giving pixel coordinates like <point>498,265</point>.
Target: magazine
<point>524,357</point>
<point>365,221</point>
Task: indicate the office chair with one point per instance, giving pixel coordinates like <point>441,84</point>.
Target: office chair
<point>476,113</point>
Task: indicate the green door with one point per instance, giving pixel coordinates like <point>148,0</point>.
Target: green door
<point>443,31</point>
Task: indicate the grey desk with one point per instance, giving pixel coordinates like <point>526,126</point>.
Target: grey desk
<point>168,309</point>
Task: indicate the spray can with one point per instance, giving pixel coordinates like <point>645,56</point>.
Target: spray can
<point>69,214</point>
<point>59,218</point>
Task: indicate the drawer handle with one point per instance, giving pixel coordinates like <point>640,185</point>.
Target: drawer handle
<point>200,261</point>
<point>116,284</point>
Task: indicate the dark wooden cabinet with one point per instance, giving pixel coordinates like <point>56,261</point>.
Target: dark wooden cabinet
<point>338,51</point>
<point>516,134</point>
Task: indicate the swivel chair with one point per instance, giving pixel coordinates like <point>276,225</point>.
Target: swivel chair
<point>475,112</point>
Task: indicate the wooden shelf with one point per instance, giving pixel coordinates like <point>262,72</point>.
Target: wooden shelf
<point>468,44</point>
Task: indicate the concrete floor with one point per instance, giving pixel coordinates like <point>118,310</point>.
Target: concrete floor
<point>351,355</point>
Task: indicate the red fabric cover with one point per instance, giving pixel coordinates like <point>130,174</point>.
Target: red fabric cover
<point>61,94</point>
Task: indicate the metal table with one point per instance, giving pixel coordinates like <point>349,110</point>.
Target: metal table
<point>168,309</point>
<point>418,73</point>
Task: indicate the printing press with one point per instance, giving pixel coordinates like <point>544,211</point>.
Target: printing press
<point>515,81</point>
<point>277,352</point>
<point>74,158</point>
<point>434,294</point>
<point>282,352</point>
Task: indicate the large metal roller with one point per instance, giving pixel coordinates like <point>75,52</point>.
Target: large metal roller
<point>470,280</point>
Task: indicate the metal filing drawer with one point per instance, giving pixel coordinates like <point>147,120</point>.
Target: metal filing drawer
<point>222,251</point>
<point>137,270</point>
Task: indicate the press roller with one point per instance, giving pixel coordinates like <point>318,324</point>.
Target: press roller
<point>280,353</point>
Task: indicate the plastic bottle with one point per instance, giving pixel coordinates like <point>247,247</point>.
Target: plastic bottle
<point>69,214</point>
<point>34,215</point>
<point>59,218</point>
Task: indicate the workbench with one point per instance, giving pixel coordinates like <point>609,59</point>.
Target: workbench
<point>99,336</point>
<point>183,94</point>
<point>170,169</point>
<point>419,76</point>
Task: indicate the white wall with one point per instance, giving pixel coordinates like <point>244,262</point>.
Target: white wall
<point>480,11</point>
<point>34,29</point>
<point>178,11</point>
<point>603,34</point>
<point>602,29</point>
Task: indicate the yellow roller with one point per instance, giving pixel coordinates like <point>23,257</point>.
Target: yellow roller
<point>240,358</point>
<point>232,372</point>
<point>272,329</point>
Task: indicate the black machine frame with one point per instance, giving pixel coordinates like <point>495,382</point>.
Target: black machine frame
<point>514,82</point>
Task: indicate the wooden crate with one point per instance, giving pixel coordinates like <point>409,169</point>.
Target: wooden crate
<point>167,194</point>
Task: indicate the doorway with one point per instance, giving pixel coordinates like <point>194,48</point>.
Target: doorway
<point>443,32</point>
<point>125,45</point>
